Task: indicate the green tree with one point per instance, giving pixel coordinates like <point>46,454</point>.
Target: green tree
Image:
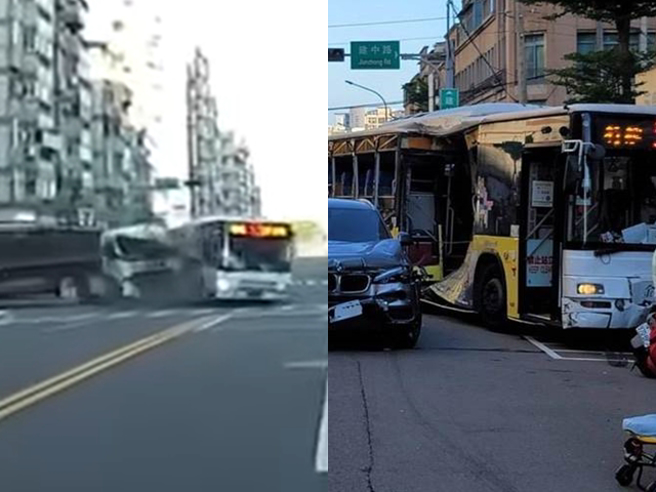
<point>416,93</point>
<point>624,61</point>
<point>595,77</point>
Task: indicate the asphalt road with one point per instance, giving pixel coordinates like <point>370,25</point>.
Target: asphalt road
<point>210,397</point>
<point>470,409</point>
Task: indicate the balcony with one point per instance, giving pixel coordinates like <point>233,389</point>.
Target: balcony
<point>70,14</point>
<point>52,141</point>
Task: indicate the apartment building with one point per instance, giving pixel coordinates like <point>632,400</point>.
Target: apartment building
<point>486,57</point>
<point>133,32</point>
<point>221,177</point>
<point>44,108</point>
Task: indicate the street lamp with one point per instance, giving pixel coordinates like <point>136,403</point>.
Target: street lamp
<point>370,90</point>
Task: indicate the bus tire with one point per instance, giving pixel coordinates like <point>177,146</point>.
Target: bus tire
<point>492,296</point>
<point>74,287</point>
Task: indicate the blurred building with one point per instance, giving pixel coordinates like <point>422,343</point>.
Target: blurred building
<point>45,155</point>
<point>121,159</point>
<point>221,177</point>
<point>133,32</point>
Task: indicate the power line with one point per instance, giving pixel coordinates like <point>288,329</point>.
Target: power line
<point>494,71</point>
<point>339,108</point>
<point>347,43</point>
<point>383,23</point>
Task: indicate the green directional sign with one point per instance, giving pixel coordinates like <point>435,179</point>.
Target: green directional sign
<point>449,98</point>
<point>375,55</point>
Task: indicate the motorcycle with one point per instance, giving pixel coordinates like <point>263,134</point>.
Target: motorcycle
<point>644,346</point>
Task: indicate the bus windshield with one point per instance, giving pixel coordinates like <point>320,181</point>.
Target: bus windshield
<point>260,254</point>
<point>620,206</point>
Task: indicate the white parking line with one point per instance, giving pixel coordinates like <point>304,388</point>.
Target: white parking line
<point>554,353</point>
<point>321,456</point>
<point>543,347</point>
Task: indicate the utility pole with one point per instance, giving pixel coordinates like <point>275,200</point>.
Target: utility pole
<point>521,54</point>
<point>431,90</point>
<point>449,52</point>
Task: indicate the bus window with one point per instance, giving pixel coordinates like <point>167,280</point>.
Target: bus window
<point>386,178</point>
<point>366,175</point>
<point>344,176</point>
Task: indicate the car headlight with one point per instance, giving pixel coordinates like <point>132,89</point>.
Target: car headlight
<point>393,275</point>
<point>590,289</point>
<point>223,284</point>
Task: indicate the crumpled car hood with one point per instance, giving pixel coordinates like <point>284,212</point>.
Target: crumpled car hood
<point>370,255</point>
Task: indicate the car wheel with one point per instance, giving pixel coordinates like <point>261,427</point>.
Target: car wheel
<point>408,336</point>
<point>492,297</point>
<point>624,475</point>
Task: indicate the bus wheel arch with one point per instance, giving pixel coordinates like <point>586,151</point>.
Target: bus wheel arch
<point>490,298</point>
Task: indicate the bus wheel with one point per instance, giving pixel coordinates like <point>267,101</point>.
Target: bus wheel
<point>492,297</point>
<point>73,288</point>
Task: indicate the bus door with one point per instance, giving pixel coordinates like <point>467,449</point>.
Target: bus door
<point>420,217</point>
<point>539,233</point>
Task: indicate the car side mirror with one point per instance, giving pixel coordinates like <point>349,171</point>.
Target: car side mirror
<point>405,239</point>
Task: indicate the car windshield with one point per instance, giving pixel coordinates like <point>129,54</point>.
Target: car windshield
<point>355,225</point>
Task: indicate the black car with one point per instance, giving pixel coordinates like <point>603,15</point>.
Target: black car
<point>371,282</point>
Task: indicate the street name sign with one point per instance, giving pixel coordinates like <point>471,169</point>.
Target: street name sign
<point>375,55</point>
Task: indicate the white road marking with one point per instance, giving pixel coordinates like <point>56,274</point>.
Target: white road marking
<point>543,347</point>
<point>203,312</point>
<point>213,323</point>
<point>590,352</point>
<point>122,315</point>
<point>310,364</point>
<point>160,314</point>
<point>288,307</point>
<point>586,359</point>
<point>321,456</point>
<point>80,317</point>
<point>311,283</point>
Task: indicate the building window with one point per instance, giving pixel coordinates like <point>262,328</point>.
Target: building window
<point>534,52</point>
<point>586,42</point>
<point>29,39</point>
<point>477,13</point>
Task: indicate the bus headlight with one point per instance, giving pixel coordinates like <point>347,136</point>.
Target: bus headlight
<point>590,289</point>
<point>223,284</point>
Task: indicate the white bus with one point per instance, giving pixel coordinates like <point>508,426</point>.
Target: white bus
<point>233,259</point>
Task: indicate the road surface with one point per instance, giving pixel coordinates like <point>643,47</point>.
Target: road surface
<point>470,409</point>
<point>199,398</point>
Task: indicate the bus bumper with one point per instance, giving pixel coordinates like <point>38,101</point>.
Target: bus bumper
<point>603,313</point>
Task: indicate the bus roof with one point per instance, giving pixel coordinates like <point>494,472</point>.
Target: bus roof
<point>446,122</point>
<point>221,218</point>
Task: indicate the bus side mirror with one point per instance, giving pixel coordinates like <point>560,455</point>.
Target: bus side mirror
<point>596,152</point>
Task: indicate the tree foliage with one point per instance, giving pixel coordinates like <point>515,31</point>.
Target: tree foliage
<point>623,63</point>
<point>416,93</point>
<point>594,77</point>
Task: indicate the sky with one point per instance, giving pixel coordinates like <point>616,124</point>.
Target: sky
<point>388,82</point>
<point>268,75</point>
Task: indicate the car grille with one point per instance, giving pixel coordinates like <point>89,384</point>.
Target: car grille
<point>332,282</point>
<point>348,283</point>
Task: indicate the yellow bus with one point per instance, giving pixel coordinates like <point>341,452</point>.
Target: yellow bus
<point>543,214</point>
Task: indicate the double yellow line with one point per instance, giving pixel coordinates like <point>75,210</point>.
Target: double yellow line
<point>40,391</point>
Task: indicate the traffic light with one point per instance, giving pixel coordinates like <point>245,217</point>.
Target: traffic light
<point>335,54</point>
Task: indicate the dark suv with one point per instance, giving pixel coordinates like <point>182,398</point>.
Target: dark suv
<point>371,282</point>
